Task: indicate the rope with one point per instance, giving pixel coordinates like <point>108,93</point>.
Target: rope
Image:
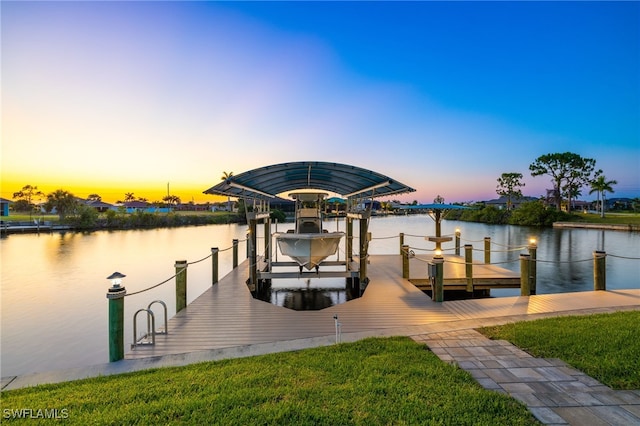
<point>198,261</point>
<point>623,257</point>
<point>179,272</point>
<point>157,285</point>
<point>563,261</point>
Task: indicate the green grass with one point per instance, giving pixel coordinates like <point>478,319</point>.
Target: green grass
<point>373,381</point>
<point>25,217</point>
<point>610,218</point>
<point>604,346</point>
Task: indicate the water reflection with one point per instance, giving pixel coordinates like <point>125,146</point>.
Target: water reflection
<point>54,310</point>
<point>310,294</point>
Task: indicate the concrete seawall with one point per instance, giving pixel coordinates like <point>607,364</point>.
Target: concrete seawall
<point>604,226</point>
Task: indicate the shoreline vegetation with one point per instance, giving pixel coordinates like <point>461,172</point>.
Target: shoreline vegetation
<point>530,214</point>
<point>372,381</point>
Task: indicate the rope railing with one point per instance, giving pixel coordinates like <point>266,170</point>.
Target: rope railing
<point>623,257</point>
<point>412,253</point>
<point>179,272</point>
<point>157,285</point>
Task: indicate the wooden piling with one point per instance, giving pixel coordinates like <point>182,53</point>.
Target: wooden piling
<point>599,270</point>
<point>214,265</point>
<point>525,289</point>
<point>438,284</point>
<point>253,253</point>
<point>364,249</point>
<point>405,262</point>
<point>116,323</point>
<point>401,241</point>
<point>349,240</point>
<point>181,285</point>
<point>468,267</point>
<point>235,253</point>
<point>267,239</point>
<point>457,242</point>
<point>487,250</point>
<point>533,268</point>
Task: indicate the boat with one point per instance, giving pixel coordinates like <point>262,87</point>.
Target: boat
<point>308,244</point>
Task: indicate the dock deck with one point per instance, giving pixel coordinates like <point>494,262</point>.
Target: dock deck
<point>227,316</point>
<point>484,276</point>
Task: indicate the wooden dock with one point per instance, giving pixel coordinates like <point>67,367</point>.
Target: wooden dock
<point>484,276</point>
<point>227,316</point>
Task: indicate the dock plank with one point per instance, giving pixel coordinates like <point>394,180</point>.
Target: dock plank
<point>226,315</point>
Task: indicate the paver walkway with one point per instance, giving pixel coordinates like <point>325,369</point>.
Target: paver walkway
<point>554,392</point>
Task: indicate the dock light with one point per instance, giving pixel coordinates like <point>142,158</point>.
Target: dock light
<point>457,230</point>
<point>438,253</point>
<point>116,279</point>
<point>532,241</point>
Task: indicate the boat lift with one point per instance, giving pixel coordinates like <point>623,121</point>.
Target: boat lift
<point>261,185</point>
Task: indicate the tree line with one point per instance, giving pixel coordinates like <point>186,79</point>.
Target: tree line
<point>569,173</point>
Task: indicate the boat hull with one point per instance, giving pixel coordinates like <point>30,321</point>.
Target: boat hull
<point>309,250</point>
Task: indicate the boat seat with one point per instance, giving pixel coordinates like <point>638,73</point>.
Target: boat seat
<point>309,227</point>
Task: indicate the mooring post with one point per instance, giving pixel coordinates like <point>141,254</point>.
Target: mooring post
<point>525,289</point>
<point>364,250</point>
<point>599,270</point>
<point>253,253</point>
<point>181,285</point>
<point>214,265</point>
<point>457,242</point>
<point>248,246</point>
<point>438,287</point>
<point>267,239</point>
<point>468,266</point>
<point>405,262</point>
<point>487,250</point>
<point>116,317</point>
<point>349,240</point>
<point>533,267</point>
<point>235,253</point>
<point>401,241</point>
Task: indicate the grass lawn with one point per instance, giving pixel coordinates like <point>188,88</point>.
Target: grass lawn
<point>611,218</point>
<point>604,346</point>
<point>370,382</point>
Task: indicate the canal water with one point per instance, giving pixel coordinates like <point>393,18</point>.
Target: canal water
<point>53,286</point>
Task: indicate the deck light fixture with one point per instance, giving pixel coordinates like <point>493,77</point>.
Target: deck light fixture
<point>532,241</point>
<point>438,253</point>
<point>116,279</point>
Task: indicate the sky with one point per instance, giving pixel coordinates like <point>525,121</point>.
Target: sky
<point>150,97</point>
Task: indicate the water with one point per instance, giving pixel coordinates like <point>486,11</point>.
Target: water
<point>53,288</point>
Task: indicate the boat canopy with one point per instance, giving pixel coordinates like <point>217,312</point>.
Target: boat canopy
<point>348,181</point>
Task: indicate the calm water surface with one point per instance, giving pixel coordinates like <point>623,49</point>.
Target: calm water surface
<point>54,309</point>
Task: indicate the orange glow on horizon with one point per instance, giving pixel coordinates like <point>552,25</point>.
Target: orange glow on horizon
<point>113,191</point>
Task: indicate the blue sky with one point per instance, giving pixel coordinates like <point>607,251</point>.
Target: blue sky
<point>115,97</point>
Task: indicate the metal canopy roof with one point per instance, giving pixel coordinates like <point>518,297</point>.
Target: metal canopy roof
<point>342,179</point>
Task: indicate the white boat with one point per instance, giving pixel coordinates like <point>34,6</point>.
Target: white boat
<point>308,244</point>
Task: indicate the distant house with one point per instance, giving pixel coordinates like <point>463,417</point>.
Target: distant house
<point>143,206</point>
<point>502,202</point>
<point>135,206</point>
<point>4,206</point>
<point>100,206</point>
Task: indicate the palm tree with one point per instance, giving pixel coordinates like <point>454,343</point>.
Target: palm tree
<point>63,201</point>
<point>601,185</point>
<point>128,196</point>
<point>226,176</point>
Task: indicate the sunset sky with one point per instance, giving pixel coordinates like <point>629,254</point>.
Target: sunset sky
<point>115,97</point>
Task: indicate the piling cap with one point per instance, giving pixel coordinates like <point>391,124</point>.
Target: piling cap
<point>116,275</point>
